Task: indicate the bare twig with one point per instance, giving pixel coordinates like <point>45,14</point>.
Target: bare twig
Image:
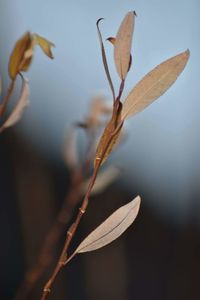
<point>6,99</point>
<point>69,236</point>
<point>46,254</point>
<point>63,259</point>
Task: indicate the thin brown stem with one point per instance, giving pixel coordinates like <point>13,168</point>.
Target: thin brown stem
<point>46,255</point>
<point>69,236</point>
<point>6,99</point>
<point>121,88</point>
<point>63,260</point>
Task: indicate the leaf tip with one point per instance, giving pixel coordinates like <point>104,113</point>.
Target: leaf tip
<point>188,52</point>
<point>111,40</point>
<point>138,201</point>
<point>98,21</point>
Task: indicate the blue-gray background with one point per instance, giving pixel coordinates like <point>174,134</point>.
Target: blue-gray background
<point>162,151</point>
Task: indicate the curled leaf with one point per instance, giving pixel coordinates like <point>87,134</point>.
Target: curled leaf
<point>22,103</point>
<point>109,137</point>
<point>22,54</point>
<point>111,228</point>
<point>154,84</point>
<point>18,61</point>
<point>122,45</point>
<point>44,44</point>
<point>104,179</point>
<point>103,53</point>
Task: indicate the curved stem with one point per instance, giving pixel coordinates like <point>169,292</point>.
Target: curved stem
<point>69,236</point>
<point>72,230</point>
<point>6,99</point>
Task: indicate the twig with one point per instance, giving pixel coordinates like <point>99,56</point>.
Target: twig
<point>46,253</point>
<point>69,236</point>
<point>6,99</point>
<point>63,260</point>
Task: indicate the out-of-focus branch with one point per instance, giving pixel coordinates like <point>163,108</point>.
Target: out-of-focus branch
<point>46,255</point>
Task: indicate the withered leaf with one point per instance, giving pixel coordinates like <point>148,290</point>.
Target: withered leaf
<point>109,137</point>
<point>22,103</point>
<point>154,84</point>
<point>111,228</point>
<point>103,53</point>
<point>122,45</point>
<point>103,180</point>
<point>112,41</point>
<point>98,109</point>
<point>22,54</point>
<point>17,61</point>
<point>44,44</point>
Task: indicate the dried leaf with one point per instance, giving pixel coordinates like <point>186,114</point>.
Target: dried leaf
<point>22,103</point>
<point>154,84</point>
<point>44,44</point>
<point>17,61</point>
<point>112,40</point>
<point>105,60</point>
<point>104,179</point>
<point>98,109</point>
<point>111,228</point>
<point>109,137</point>
<point>122,45</point>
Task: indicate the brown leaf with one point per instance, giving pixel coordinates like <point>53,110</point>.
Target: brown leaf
<point>104,179</point>
<point>112,40</point>
<point>122,45</point>
<point>109,137</point>
<point>44,44</point>
<point>154,84</point>
<point>22,103</point>
<point>97,110</point>
<point>111,228</point>
<point>18,62</point>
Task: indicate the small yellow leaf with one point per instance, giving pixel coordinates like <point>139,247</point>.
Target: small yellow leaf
<point>154,84</point>
<point>22,103</point>
<point>122,45</point>
<point>44,44</point>
<point>109,138</point>
<point>17,60</point>
<point>28,56</point>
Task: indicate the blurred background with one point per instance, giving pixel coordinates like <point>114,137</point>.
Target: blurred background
<point>159,256</point>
